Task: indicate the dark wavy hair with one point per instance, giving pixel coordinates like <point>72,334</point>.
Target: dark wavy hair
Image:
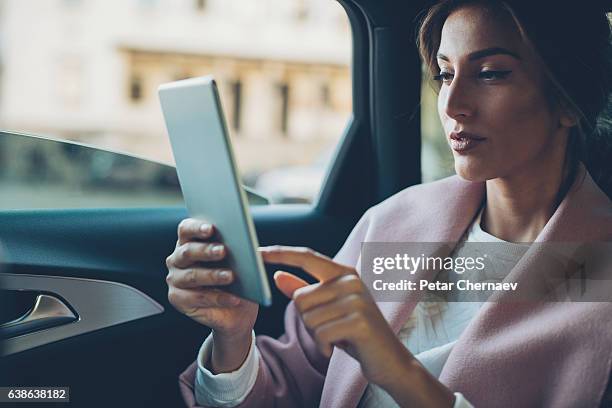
<point>573,41</point>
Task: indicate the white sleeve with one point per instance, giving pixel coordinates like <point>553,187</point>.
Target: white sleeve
<point>461,402</point>
<point>226,389</point>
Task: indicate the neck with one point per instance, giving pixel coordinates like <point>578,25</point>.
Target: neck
<point>519,206</point>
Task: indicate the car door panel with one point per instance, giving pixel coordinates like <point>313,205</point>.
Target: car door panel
<point>95,259</point>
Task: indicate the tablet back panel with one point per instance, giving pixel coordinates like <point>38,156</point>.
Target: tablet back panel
<point>209,179</point>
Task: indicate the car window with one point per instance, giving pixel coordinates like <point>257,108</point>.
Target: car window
<point>88,71</point>
<point>436,156</point>
<point>38,173</point>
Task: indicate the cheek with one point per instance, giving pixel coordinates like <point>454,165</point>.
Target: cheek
<point>519,126</point>
<point>522,132</point>
<point>522,118</point>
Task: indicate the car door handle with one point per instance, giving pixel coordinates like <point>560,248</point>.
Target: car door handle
<point>48,311</point>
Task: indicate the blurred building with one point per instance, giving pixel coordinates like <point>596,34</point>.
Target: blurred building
<point>88,70</point>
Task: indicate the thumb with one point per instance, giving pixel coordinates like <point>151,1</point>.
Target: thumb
<point>288,283</point>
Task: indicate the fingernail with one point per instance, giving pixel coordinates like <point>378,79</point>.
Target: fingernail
<point>217,250</point>
<point>224,276</point>
<point>205,228</point>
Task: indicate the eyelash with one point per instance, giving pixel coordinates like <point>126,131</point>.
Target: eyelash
<point>444,77</point>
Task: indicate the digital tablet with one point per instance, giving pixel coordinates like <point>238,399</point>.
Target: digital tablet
<point>209,178</point>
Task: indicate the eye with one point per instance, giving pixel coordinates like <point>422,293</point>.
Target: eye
<point>493,75</point>
<point>444,77</point>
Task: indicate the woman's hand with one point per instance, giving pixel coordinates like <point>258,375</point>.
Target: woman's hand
<point>195,289</point>
<point>340,311</point>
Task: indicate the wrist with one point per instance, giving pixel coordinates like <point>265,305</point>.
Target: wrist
<point>229,352</point>
<point>413,385</point>
<point>398,365</point>
<point>230,338</point>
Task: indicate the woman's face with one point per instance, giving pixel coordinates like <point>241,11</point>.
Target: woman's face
<point>496,117</point>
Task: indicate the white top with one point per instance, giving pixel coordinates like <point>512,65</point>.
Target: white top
<point>435,325</point>
<point>430,334</point>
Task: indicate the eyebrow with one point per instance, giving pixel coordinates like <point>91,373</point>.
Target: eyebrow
<point>484,53</point>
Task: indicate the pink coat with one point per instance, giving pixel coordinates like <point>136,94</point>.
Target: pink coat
<point>510,355</point>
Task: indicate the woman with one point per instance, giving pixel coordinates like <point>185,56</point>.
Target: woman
<point>519,98</point>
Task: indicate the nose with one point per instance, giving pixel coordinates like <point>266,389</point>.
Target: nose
<point>456,99</point>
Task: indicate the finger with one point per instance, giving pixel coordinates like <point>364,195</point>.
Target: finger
<point>192,252</point>
<point>198,277</point>
<point>340,331</point>
<point>332,311</point>
<point>313,296</point>
<point>288,283</point>
<point>313,263</point>
<point>188,301</point>
<point>192,229</point>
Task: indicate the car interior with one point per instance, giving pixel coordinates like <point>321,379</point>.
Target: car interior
<point>106,266</point>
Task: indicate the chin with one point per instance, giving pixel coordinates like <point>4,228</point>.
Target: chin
<point>471,171</point>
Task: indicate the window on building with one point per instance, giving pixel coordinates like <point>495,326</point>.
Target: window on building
<point>237,107</point>
<point>136,88</point>
<point>283,91</point>
<point>301,10</point>
<point>200,5</point>
<point>325,95</point>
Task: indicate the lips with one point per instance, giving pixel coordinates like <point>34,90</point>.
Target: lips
<point>464,141</point>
